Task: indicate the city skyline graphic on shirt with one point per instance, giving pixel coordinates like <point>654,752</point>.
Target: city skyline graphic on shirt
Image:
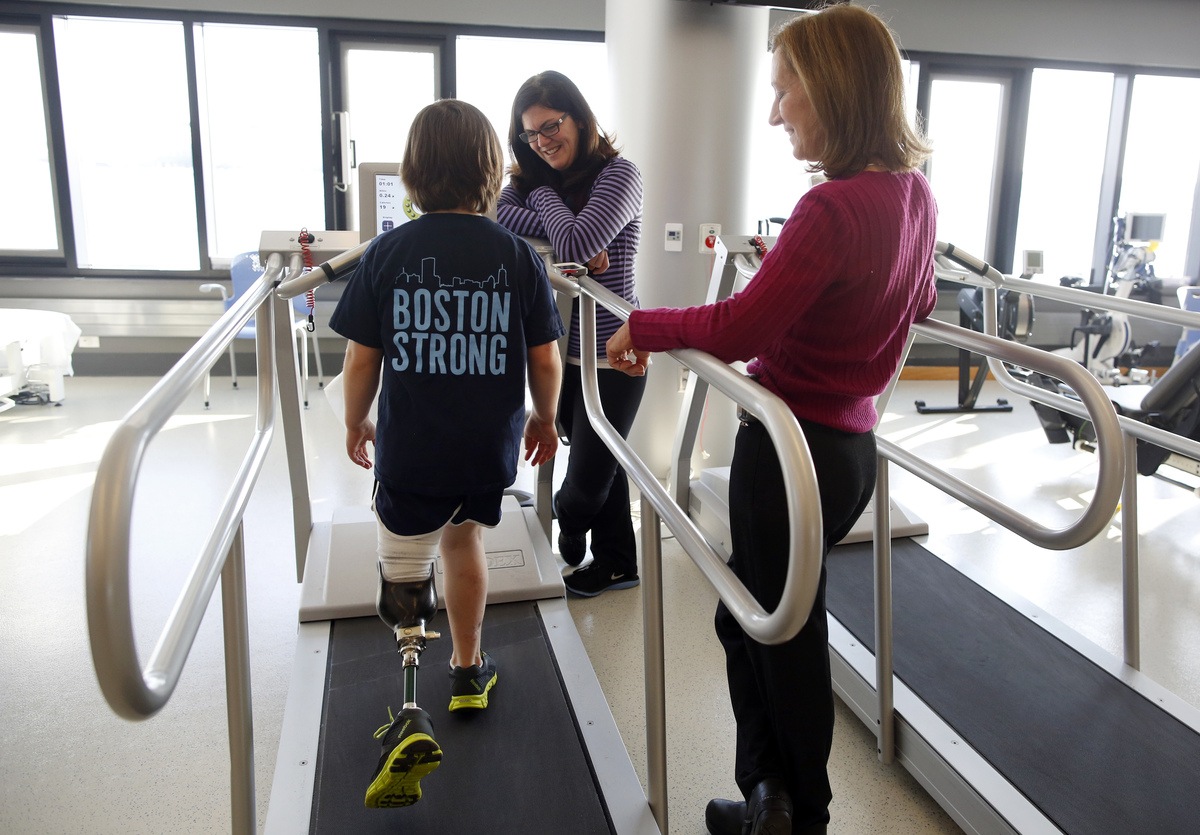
<point>429,272</point>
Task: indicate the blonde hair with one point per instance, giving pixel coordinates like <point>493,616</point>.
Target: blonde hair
<point>453,159</point>
<point>848,62</point>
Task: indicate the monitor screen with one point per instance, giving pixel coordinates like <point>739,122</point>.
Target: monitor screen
<point>383,203</point>
<point>1143,228</point>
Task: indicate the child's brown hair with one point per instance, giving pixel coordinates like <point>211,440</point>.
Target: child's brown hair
<point>453,159</point>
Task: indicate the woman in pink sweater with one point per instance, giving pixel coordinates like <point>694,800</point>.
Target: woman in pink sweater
<point>823,324</point>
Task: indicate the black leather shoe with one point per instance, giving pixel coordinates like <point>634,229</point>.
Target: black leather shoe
<point>769,809</point>
<point>725,817</point>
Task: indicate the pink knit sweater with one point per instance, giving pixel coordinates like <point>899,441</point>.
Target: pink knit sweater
<point>827,315</point>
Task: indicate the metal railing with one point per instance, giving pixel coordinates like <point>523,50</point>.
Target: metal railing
<point>135,691</point>
<point>981,274</point>
<point>1110,481</point>
<point>1112,476</point>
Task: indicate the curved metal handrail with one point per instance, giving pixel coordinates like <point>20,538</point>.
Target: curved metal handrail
<point>132,691</point>
<point>1145,310</point>
<point>1109,443</point>
<point>800,482</point>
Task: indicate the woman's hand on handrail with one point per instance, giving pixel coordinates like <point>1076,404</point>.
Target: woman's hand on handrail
<point>598,263</point>
<point>618,350</point>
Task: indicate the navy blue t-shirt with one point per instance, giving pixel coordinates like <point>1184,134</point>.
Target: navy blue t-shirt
<point>454,302</point>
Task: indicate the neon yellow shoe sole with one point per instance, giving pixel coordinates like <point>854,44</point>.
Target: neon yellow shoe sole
<point>399,780</point>
<point>474,701</point>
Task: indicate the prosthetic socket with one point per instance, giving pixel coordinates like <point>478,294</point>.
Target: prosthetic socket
<point>406,607</point>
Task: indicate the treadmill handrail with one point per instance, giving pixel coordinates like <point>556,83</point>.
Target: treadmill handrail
<point>1096,301</point>
<point>993,278</point>
<point>799,477</point>
<point>132,691</point>
<point>1099,409</point>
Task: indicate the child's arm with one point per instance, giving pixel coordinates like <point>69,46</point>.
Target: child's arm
<point>545,376</point>
<point>360,381</point>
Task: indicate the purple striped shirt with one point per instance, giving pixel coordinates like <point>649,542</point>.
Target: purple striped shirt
<point>610,220</point>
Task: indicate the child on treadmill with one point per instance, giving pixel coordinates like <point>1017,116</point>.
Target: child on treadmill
<point>453,312</point>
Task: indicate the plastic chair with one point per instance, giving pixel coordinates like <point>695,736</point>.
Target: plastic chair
<point>243,272</point>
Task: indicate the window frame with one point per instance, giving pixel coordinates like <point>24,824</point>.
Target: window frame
<point>39,17</point>
<point>1003,251</point>
<point>40,28</point>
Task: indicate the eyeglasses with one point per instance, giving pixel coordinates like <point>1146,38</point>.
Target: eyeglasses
<point>549,130</point>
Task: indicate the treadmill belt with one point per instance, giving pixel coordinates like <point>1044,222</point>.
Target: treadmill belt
<point>517,767</point>
<point>1094,755</point>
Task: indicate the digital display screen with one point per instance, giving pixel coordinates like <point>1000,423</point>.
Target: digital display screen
<point>389,199</point>
<point>1144,227</point>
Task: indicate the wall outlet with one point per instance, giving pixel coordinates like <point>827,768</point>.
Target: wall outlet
<point>88,342</point>
<point>708,237</point>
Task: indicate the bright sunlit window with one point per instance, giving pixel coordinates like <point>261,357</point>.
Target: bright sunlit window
<point>385,88</point>
<point>1063,169</point>
<point>129,147</point>
<point>491,70</point>
<point>1162,161</point>
<point>261,172</point>
<point>27,221</point>
<point>777,179</point>
<point>964,127</point>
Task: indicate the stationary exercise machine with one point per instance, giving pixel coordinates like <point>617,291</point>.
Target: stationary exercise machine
<point>1012,722</point>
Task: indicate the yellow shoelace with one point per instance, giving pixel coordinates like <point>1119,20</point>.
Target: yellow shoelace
<point>384,729</point>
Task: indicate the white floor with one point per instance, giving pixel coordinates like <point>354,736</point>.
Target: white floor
<point>67,764</point>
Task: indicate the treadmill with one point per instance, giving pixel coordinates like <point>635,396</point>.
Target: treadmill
<point>1011,721</point>
<point>546,756</point>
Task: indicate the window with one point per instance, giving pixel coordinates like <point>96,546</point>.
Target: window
<point>777,179</point>
<point>1162,161</point>
<point>491,70</point>
<point>128,137</point>
<point>384,87</point>
<point>1063,169</point>
<point>260,111</point>
<point>28,223</point>
<point>965,126</point>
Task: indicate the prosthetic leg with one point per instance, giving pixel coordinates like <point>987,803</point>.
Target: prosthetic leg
<point>409,749</point>
<point>406,608</point>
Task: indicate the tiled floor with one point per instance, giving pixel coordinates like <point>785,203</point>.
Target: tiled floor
<point>67,764</point>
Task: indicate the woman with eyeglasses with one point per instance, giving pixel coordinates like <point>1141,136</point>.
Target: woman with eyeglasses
<point>570,185</point>
<point>823,324</point>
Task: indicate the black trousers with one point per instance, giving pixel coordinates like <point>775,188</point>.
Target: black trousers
<point>595,492</point>
<point>782,695</point>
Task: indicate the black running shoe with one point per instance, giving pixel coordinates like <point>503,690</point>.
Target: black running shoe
<point>409,753</point>
<point>472,684</point>
<point>592,580</point>
<point>572,548</point>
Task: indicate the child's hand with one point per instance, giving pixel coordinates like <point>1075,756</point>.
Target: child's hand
<point>356,442</point>
<point>541,441</point>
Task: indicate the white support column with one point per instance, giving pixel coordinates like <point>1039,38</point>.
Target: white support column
<point>682,78</point>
